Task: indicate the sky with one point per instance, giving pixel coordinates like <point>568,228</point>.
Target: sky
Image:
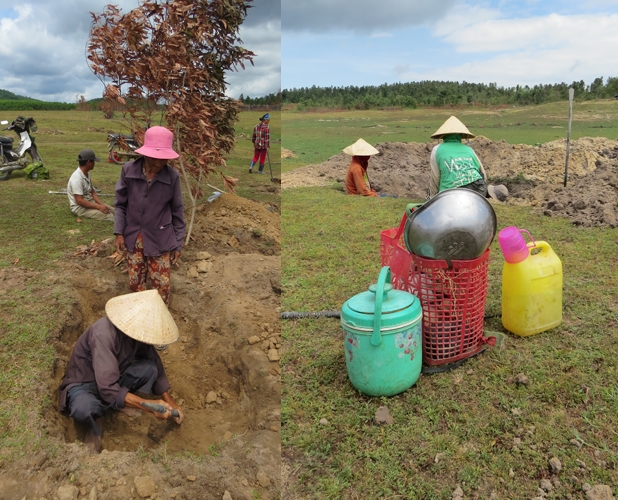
<point>43,49</point>
<point>525,42</point>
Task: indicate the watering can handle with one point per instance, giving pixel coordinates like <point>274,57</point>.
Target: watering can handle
<point>385,277</point>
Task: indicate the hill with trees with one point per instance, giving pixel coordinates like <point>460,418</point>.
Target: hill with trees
<point>438,93</point>
<point>13,102</point>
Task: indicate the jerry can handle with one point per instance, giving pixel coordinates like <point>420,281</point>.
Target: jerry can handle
<point>385,277</point>
<point>529,235</point>
<point>542,246</point>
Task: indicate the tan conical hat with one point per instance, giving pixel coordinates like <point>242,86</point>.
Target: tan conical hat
<point>361,148</point>
<point>143,316</point>
<point>452,126</point>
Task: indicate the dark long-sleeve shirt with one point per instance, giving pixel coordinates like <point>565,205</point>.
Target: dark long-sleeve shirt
<point>155,211</point>
<point>102,354</point>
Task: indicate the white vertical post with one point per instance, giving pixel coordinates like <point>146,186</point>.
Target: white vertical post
<point>568,143</point>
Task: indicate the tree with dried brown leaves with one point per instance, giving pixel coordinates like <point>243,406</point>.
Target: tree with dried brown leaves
<point>174,53</point>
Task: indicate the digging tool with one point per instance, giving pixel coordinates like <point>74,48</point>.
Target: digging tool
<point>158,408</point>
<point>96,190</point>
<point>270,166</point>
<point>64,193</point>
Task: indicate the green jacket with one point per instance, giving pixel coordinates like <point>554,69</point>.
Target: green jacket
<point>454,164</point>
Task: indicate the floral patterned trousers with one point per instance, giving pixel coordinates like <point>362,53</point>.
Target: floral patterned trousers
<point>157,268</point>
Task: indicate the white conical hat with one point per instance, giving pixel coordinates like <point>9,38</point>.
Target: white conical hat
<point>143,316</point>
<point>452,126</point>
<point>361,148</point>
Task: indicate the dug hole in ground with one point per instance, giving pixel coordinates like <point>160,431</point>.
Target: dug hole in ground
<point>224,372</point>
<point>534,175</point>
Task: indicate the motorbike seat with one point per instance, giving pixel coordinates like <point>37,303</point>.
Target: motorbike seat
<point>124,136</point>
<point>7,141</point>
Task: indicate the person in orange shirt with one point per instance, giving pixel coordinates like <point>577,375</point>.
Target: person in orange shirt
<point>356,180</point>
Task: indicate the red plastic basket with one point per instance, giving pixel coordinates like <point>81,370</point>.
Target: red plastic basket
<point>452,298</point>
<point>393,253</point>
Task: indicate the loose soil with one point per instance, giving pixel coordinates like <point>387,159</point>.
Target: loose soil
<point>224,372</point>
<point>534,175</point>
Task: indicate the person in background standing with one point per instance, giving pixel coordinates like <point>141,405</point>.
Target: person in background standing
<point>261,143</point>
<point>150,222</point>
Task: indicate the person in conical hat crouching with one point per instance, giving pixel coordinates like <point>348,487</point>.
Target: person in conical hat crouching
<point>116,357</point>
<point>453,164</point>
<point>356,180</point>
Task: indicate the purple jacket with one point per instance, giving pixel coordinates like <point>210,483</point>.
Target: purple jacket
<point>103,353</point>
<point>156,212</point>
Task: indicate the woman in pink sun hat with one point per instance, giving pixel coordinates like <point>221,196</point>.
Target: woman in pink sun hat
<point>149,219</point>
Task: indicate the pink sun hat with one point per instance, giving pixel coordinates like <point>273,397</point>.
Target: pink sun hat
<point>158,144</point>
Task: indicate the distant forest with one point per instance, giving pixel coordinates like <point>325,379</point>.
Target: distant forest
<point>267,100</point>
<point>13,102</point>
<point>435,93</point>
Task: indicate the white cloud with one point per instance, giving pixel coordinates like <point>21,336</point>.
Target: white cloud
<point>546,32</point>
<point>264,77</point>
<point>43,48</point>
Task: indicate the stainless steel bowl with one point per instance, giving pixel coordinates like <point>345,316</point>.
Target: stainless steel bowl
<point>456,224</point>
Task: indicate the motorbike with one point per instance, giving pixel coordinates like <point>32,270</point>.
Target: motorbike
<point>24,154</point>
<point>122,148</point>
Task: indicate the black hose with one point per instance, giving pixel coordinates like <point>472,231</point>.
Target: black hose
<point>319,314</point>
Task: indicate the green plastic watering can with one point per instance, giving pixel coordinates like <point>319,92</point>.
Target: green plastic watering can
<point>383,338</point>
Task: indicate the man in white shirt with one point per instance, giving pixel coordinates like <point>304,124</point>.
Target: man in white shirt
<point>83,199</point>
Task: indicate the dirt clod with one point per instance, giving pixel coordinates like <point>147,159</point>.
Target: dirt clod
<point>383,416</point>
<point>555,466</point>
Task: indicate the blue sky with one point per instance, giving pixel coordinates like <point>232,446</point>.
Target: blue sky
<point>368,42</point>
<point>44,42</point>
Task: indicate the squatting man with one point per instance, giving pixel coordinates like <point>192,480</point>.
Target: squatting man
<point>115,358</point>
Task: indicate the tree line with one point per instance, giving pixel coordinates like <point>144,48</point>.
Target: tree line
<point>34,105</point>
<point>267,100</point>
<point>438,93</point>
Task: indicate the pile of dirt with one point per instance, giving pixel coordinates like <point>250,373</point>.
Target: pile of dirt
<point>223,371</point>
<point>534,175</point>
<point>286,153</point>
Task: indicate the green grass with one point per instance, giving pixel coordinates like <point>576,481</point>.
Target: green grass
<point>38,229</point>
<point>458,427</point>
<point>316,136</point>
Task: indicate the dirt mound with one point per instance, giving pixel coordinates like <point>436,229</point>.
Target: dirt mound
<point>224,372</point>
<point>286,153</point>
<point>533,174</point>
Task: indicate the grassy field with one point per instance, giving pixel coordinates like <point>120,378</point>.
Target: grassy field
<point>316,136</point>
<point>38,228</point>
<point>472,427</point>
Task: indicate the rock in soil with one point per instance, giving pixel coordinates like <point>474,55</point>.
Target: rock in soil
<point>383,416</point>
